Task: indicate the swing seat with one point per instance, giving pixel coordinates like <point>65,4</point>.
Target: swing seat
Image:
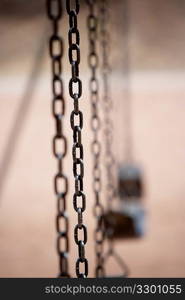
<point>127,222</point>
<point>130,182</point>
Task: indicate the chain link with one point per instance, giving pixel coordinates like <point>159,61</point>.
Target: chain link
<point>107,105</point>
<point>92,24</point>
<point>76,120</point>
<point>54,11</point>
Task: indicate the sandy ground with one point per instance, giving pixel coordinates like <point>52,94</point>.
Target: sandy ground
<point>28,206</point>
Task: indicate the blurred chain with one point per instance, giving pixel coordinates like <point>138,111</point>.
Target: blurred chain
<point>111,188</point>
<point>92,24</point>
<point>107,102</point>
<point>107,106</point>
<point>54,10</point>
<point>75,91</point>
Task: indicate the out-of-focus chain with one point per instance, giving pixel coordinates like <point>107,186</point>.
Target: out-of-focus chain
<point>75,91</point>
<point>54,11</point>
<point>107,105</point>
<point>107,101</point>
<point>92,24</point>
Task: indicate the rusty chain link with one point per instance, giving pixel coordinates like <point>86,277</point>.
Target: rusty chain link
<point>92,24</point>
<point>75,91</point>
<point>54,11</point>
<point>107,107</point>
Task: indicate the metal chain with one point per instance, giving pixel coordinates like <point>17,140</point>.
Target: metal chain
<point>107,103</point>
<point>75,91</point>
<point>92,23</point>
<point>54,11</point>
<point>111,188</point>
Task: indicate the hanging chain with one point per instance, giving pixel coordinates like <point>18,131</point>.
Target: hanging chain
<point>92,23</point>
<point>109,155</point>
<point>107,103</point>
<point>75,91</point>
<point>54,10</point>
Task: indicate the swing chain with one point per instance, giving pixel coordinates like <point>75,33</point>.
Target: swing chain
<point>76,120</point>
<point>107,102</point>
<point>92,24</point>
<point>108,132</point>
<point>54,11</point>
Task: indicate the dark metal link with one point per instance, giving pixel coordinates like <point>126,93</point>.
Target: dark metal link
<point>73,121</point>
<point>82,261</point>
<point>61,177</point>
<point>77,146</point>
<point>76,8</point>
<point>75,93</point>
<point>74,51</point>
<point>78,184</point>
<point>76,233</point>
<point>65,240</point>
<point>73,19</point>
<point>56,47</point>
<point>78,164</point>
<point>92,24</point>
<point>57,86</point>
<point>62,216</point>
<point>80,218</point>
<point>56,66</point>
<point>56,140</point>
<point>54,10</point>
<point>81,249</point>
<point>63,263</point>
<point>74,32</point>
<point>81,195</point>
<point>75,73</point>
<point>61,203</point>
<point>58,102</point>
<point>77,135</point>
<point>76,120</point>
<point>108,131</point>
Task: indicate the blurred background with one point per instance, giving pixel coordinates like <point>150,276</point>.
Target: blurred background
<point>27,166</point>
